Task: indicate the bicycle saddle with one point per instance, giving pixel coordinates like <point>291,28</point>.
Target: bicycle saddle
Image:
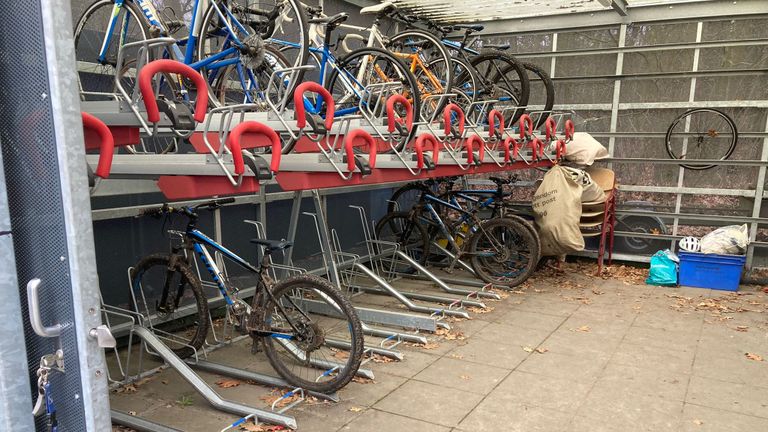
<point>379,8</point>
<point>500,47</point>
<point>470,27</point>
<point>330,21</point>
<point>272,245</point>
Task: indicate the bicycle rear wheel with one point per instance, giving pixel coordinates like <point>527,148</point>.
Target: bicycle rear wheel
<point>503,252</point>
<point>702,133</point>
<point>320,313</point>
<point>183,333</point>
<point>504,79</point>
<point>277,22</point>
<point>412,237</point>
<point>538,79</point>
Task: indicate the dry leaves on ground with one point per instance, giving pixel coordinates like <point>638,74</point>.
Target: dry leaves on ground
<point>255,427</point>
<point>742,328</point>
<point>276,394</point>
<point>363,380</point>
<point>464,377</point>
<point>539,350</point>
<point>378,358</point>
<point>698,422</point>
<point>228,383</point>
<point>356,409</point>
<point>448,334</point>
<point>340,354</point>
<point>755,357</point>
<point>582,329</point>
<point>479,310</point>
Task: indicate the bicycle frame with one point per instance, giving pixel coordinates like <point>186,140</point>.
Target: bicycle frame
<point>351,84</point>
<point>216,62</point>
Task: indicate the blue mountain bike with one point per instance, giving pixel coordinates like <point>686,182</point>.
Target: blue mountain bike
<point>294,320</point>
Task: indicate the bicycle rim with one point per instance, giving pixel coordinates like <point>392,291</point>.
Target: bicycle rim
<point>702,133</point>
<point>308,358</point>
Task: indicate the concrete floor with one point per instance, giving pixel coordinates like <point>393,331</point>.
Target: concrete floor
<point>567,352</point>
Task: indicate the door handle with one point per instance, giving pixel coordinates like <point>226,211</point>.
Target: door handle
<point>33,299</point>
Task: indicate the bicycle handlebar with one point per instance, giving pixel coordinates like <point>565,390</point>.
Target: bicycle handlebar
<point>106,143</point>
<point>185,210</point>
<point>301,111</point>
<point>171,66</point>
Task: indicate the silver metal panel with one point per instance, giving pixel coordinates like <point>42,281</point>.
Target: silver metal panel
<point>43,155</point>
<point>15,407</point>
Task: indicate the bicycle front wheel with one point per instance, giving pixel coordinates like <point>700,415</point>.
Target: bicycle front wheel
<point>162,292</point>
<point>503,252</point>
<point>96,69</point>
<point>411,237</point>
<point>308,316</point>
<point>365,78</point>
<point>503,78</point>
<point>702,133</point>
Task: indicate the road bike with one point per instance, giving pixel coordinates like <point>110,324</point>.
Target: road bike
<point>284,317</point>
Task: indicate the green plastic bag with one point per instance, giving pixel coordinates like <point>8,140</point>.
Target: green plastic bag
<point>663,269</point>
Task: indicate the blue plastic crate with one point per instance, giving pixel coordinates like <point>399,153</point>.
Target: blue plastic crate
<point>720,272</point>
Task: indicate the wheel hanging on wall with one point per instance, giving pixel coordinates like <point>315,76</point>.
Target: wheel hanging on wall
<point>701,133</point>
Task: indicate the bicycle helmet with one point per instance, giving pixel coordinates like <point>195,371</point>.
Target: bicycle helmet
<point>689,244</point>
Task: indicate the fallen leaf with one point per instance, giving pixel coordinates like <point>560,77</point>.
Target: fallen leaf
<point>742,328</point>
<point>528,349</point>
<point>228,383</point>
<point>596,291</point>
<point>754,357</point>
<point>456,356</point>
<point>464,377</point>
<point>362,380</point>
<point>378,358</point>
<point>356,409</point>
<point>582,329</point>
<point>128,388</point>
<point>341,354</point>
<point>479,310</point>
<point>164,382</point>
<point>541,350</point>
<point>698,422</point>
<point>430,345</point>
<point>255,427</point>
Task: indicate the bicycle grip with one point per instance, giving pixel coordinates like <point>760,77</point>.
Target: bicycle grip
<point>447,112</point>
<point>349,144</point>
<point>391,119</point>
<point>224,200</point>
<point>106,146</point>
<point>492,116</point>
<point>470,148</point>
<point>525,120</point>
<point>233,142</point>
<point>551,128</point>
<point>301,110</point>
<point>171,66</point>
<point>569,129</point>
<point>428,138</point>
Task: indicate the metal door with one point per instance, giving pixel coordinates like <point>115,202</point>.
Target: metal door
<point>49,206</point>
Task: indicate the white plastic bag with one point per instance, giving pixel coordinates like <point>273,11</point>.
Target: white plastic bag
<point>727,240</point>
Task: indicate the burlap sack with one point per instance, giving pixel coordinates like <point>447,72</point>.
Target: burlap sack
<point>557,208</point>
<point>591,192</point>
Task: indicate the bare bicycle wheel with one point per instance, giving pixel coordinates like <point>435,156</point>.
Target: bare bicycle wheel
<point>702,133</point>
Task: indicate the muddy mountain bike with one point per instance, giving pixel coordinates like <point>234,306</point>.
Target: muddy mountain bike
<point>280,317</point>
<point>502,250</point>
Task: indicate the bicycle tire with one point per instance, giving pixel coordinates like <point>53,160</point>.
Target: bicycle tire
<point>402,70</point>
<point>200,318</point>
<point>549,87</point>
<point>301,52</point>
<point>727,119</point>
<point>393,205</point>
<point>502,83</point>
<point>395,222</point>
<point>481,264</point>
<point>445,73</point>
<point>345,374</point>
<point>273,59</point>
<point>83,54</point>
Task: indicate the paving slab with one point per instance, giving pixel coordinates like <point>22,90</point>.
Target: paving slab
<point>738,398</point>
<point>489,353</point>
<point>705,419</point>
<point>462,375</point>
<point>622,411</point>
<point>559,394</point>
<point>375,420</point>
<point>494,414</point>
<point>430,403</point>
